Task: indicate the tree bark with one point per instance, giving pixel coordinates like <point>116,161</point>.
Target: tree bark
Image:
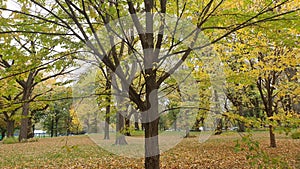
<point>219,127</point>
<point>108,100</point>
<point>106,127</point>
<point>2,134</point>
<point>56,126</point>
<point>120,137</point>
<point>27,89</point>
<point>10,124</point>
<point>127,126</point>
<point>151,118</point>
<point>240,123</point>
<point>136,122</point>
<point>52,128</point>
<point>30,128</point>
<point>242,127</point>
<point>272,137</point>
<point>24,122</point>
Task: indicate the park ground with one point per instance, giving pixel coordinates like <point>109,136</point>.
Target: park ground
<point>216,152</point>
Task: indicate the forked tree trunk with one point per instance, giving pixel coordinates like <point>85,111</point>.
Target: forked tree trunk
<point>10,124</point>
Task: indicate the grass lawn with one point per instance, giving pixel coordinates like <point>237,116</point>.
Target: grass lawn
<point>82,152</point>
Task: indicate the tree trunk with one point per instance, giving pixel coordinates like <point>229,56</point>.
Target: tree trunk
<point>136,122</point>
<point>30,133</point>
<point>56,126</point>
<point>218,130</point>
<point>187,128</point>
<point>120,137</point>
<point>96,122</point>
<point>272,136</point>
<point>52,128</point>
<point>241,124</point>
<point>151,145</point>
<point>127,126</point>
<point>151,120</point>
<point>24,122</point>
<point>106,127</point>
<point>108,100</point>
<point>2,135</point>
<point>242,127</point>
<point>10,124</point>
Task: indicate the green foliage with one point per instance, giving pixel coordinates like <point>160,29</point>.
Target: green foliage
<point>296,135</point>
<point>10,140</point>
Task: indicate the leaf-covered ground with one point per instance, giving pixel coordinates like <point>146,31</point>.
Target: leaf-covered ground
<point>81,152</point>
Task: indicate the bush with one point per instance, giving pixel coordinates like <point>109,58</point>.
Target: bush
<point>296,135</point>
<point>10,140</point>
<point>33,140</point>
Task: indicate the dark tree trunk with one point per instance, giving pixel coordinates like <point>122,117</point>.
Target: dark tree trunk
<point>272,136</point>
<point>24,122</point>
<point>151,145</point>
<point>10,124</point>
<point>120,137</point>
<point>30,133</point>
<point>52,128</point>
<point>241,124</point>
<point>219,127</point>
<point>2,134</point>
<point>143,126</point>
<point>151,119</point>
<point>196,124</point>
<point>27,89</point>
<point>106,127</point>
<point>56,126</point>
<point>219,121</point>
<point>136,122</point>
<point>242,127</point>
<point>127,126</point>
<point>108,100</point>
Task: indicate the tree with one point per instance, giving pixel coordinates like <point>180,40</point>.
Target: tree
<point>9,105</point>
<point>262,68</point>
<point>79,19</point>
<point>55,117</point>
<point>12,60</point>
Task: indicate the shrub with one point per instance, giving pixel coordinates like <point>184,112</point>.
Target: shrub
<point>33,140</point>
<point>296,135</point>
<point>10,140</point>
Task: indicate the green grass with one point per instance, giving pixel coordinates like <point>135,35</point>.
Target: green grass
<point>296,135</point>
<point>10,140</point>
